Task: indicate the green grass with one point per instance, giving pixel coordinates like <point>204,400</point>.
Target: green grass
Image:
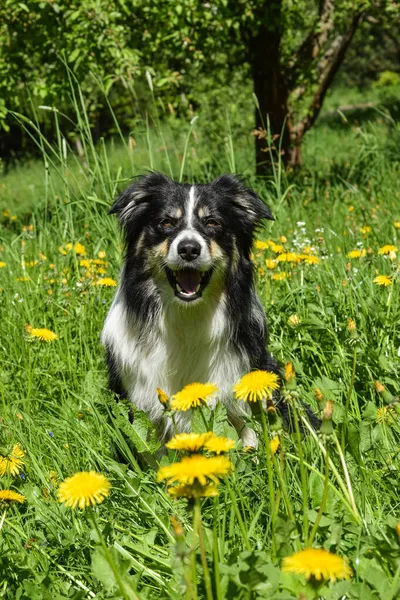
<point>56,404</point>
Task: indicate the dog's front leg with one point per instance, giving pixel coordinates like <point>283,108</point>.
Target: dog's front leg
<point>247,435</point>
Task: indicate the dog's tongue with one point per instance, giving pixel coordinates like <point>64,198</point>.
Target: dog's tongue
<point>188,279</point>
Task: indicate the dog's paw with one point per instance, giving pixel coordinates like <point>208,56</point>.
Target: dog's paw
<point>249,439</point>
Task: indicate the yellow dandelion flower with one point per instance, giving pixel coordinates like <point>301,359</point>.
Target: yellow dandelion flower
<point>318,395</point>
<point>396,224</point>
<point>290,257</point>
<point>384,415</point>
<point>317,563</point>
<point>10,496</point>
<point>351,325</point>
<point>196,468</point>
<point>61,249</point>
<point>191,442</point>
<point>44,335</point>
<point>379,387</point>
<point>365,229</point>
<point>84,489</point>
<point>106,282</point>
<point>308,250</point>
<point>85,262</point>
<point>279,276</point>
<point>309,259</point>
<point>12,463</point>
<point>274,445</point>
<point>2,264</point>
<point>260,245</point>
<point>218,444</point>
<point>80,249</point>
<point>162,396</point>
<point>351,208</point>
<point>193,395</point>
<point>193,491</point>
<point>256,386</point>
<point>270,263</point>
<point>101,254</point>
<point>294,320</point>
<point>289,372</point>
<point>277,248</point>
<point>387,249</point>
<point>357,253</point>
<point>283,239</point>
<point>261,271</point>
<point>383,280</point>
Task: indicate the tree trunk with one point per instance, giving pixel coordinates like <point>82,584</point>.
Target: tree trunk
<point>270,90</point>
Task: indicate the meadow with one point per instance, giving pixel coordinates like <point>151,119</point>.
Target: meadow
<point>328,276</point>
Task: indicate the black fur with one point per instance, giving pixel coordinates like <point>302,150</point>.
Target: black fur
<point>148,211</point>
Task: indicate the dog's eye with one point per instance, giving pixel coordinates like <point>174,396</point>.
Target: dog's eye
<point>167,224</point>
<point>211,223</point>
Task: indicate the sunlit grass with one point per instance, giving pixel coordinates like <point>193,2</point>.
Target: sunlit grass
<point>57,244</point>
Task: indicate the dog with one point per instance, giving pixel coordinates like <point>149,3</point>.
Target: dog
<point>186,308</point>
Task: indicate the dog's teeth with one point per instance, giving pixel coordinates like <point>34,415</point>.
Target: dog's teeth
<point>198,288</point>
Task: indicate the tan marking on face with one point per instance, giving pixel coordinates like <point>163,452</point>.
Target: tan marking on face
<point>161,249</point>
<point>178,213</point>
<point>215,250</point>
<point>203,212</point>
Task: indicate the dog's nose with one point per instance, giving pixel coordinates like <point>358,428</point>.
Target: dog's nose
<point>189,250</point>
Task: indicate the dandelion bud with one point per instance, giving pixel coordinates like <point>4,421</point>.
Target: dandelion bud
<point>162,397</point>
<point>392,256</point>
<point>294,320</point>
<point>320,398</point>
<point>326,429</point>
<point>290,376</point>
<point>384,393</point>
<point>181,549</point>
<point>352,328</point>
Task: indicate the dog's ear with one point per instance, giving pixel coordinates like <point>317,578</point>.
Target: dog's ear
<point>136,199</point>
<point>247,204</point>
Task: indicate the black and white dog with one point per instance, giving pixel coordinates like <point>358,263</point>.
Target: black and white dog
<point>186,309</point>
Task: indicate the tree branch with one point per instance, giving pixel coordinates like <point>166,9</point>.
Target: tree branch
<point>327,69</point>
<point>316,39</point>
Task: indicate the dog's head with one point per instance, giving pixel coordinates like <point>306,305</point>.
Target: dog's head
<point>189,235</point>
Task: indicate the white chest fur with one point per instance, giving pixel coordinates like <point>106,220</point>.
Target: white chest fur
<point>182,346</point>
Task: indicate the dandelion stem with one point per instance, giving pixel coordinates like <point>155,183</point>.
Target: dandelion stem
<point>268,454</point>
<point>217,579</point>
<point>206,572</point>
<point>303,474</point>
<point>323,501</point>
<point>271,458</point>
<point>346,409</point>
<point>193,558</point>
<point>203,419</point>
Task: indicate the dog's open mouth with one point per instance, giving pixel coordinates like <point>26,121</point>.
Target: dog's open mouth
<point>188,284</point>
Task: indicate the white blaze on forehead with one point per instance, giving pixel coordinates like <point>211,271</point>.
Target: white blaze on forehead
<point>190,207</point>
